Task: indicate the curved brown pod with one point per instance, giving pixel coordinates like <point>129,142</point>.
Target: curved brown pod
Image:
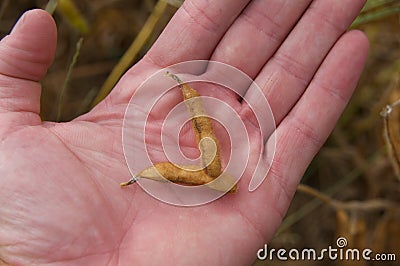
<point>210,172</point>
<point>203,129</point>
<point>188,175</point>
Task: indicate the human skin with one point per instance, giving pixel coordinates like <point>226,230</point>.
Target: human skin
<point>59,195</point>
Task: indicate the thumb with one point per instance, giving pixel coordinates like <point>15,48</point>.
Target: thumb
<point>25,55</point>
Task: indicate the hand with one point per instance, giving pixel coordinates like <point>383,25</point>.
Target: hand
<point>60,199</point>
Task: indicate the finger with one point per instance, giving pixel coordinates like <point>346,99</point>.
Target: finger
<point>306,127</point>
<point>257,33</point>
<point>313,118</point>
<point>25,56</point>
<point>29,50</point>
<point>194,31</point>
<point>285,77</point>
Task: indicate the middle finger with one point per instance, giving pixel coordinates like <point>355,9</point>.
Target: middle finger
<point>257,33</point>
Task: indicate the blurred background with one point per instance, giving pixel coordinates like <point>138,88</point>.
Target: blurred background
<point>351,189</point>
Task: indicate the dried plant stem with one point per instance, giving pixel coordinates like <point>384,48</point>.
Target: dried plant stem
<point>390,140</point>
<point>51,6</point>
<point>374,204</point>
<point>71,13</point>
<point>317,194</point>
<point>67,78</point>
<point>293,218</point>
<point>131,54</point>
<point>375,10</point>
<point>175,3</point>
<point>390,146</point>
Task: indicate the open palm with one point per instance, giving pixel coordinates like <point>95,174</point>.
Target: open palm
<point>59,195</point>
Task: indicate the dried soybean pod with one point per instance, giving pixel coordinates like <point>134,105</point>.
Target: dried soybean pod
<point>203,129</point>
<point>184,175</point>
<point>210,172</point>
<point>175,174</point>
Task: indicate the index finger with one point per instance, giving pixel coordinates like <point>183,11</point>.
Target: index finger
<point>194,31</point>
